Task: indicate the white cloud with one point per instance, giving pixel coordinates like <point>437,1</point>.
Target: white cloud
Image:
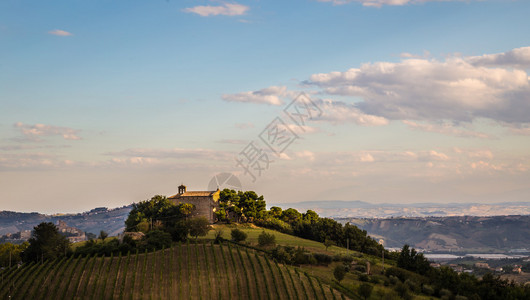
<point>226,9</point>
<point>34,132</point>
<point>271,95</point>
<point>445,128</point>
<point>517,58</point>
<point>379,3</point>
<point>59,32</point>
<point>306,155</point>
<point>422,89</point>
<point>341,112</point>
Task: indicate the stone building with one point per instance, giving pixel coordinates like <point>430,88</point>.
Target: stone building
<point>206,202</point>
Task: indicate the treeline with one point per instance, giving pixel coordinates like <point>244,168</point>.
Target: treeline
<point>446,283</point>
<point>249,207</point>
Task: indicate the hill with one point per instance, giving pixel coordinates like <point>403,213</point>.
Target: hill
<point>462,234</point>
<point>109,220</point>
<point>190,271</point>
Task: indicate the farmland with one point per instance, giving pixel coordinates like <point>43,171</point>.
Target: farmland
<point>185,271</point>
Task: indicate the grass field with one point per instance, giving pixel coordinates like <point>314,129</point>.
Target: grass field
<point>187,271</point>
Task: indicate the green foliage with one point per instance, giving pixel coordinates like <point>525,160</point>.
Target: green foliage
<point>266,239</point>
<point>158,210</point>
<point>238,235</point>
<point>339,272</point>
<point>241,206</point>
<point>46,243</point>
<point>11,254</point>
<point>156,239</point>
<point>199,226</point>
<point>328,243</point>
<point>103,235</point>
<point>365,290</point>
<point>411,260</point>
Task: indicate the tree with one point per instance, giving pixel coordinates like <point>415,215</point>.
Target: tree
<point>103,235</point>
<point>10,254</point>
<point>156,239</point>
<point>328,243</point>
<point>158,210</point>
<point>365,290</point>
<point>186,209</point>
<point>291,215</point>
<point>275,212</point>
<point>238,235</point>
<point>266,239</point>
<point>46,243</point>
<point>339,272</point>
<point>199,226</point>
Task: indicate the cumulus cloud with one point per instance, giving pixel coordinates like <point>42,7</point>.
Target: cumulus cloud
<point>426,89</point>
<point>271,95</point>
<point>379,3</point>
<point>35,132</point>
<point>516,58</point>
<point>341,112</point>
<point>446,129</point>
<point>59,32</point>
<point>226,9</point>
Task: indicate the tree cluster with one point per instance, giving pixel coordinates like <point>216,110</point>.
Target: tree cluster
<point>309,225</point>
<point>240,206</point>
<point>161,214</point>
<point>444,282</point>
<point>46,243</point>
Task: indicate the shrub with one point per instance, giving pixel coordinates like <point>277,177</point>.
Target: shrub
<point>266,239</point>
<point>364,277</point>
<point>365,290</point>
<point>427,290</point>
<point>339,272</point>
<point>157,239</point>
<point>322,259</point>
<point>218,236</point>
<point>238,235</point>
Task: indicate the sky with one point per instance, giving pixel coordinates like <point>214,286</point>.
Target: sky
<point>106,103</point>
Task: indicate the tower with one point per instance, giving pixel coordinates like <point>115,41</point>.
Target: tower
<point>182,189</point>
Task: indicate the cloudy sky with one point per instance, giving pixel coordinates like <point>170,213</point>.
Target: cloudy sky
<point>104,103</point>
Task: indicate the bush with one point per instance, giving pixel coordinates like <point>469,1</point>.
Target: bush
<point>364,277</point>
<point>266,239</point>
<point>339,272</point>
<point>365,290</point>
<point>238,235</point>
<point>427,290</point>
<point>156,239</point>
<point>218,236</point>
<point>323,259</point>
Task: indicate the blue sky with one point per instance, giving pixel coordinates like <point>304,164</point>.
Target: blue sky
<point>105,103</point>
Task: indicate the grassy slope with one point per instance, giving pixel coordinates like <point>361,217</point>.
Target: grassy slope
<point>194,271</point>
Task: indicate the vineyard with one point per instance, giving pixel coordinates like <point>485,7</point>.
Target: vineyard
<point>187,271</point>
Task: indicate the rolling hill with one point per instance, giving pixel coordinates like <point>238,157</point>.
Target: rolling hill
<point>190,271</point>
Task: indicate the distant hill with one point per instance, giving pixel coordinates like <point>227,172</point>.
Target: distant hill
<point>193,271</point>
<point>360,209</point>
<point>110,220</point>
<point>461,234</point>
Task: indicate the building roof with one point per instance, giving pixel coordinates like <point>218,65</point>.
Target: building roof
<point>194,194</point>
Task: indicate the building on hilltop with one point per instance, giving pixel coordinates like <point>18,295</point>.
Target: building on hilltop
<point>73,234</point>
<point>206,202</point>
